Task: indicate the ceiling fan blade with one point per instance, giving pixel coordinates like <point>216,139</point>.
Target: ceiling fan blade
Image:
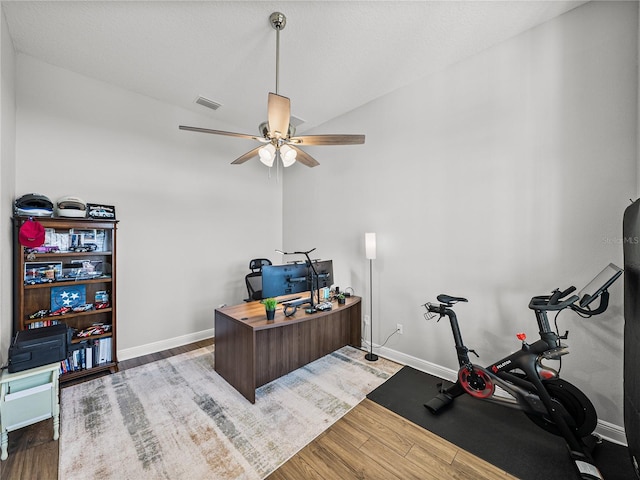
<point>246,156</point>
<point>304,158</point>
<point>219,132</point>
<point>278,114</point>
<point>328,140</point>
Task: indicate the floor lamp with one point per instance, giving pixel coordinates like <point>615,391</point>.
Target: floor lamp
<point>370,252</point>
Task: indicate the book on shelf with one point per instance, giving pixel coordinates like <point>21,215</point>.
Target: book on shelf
<point>88,357</point>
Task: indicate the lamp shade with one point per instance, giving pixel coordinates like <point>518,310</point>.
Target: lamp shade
<point>370,245</point>
<point>288,155</point>
<point>267,154</point>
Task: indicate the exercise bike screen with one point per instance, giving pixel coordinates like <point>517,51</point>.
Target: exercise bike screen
<point>599,284</point>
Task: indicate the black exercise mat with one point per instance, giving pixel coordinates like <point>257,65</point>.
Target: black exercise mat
<point>502,436</point>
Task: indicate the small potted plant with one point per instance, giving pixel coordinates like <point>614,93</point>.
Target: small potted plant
<point>341,299</point>
<point>270,307</point>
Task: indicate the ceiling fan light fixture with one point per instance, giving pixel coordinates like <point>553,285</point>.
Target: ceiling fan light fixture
<point>278,132</point>
<point>288,155</point>
<point>267,154</point>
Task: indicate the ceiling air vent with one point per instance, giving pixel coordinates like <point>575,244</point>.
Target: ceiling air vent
<point>205,102</point>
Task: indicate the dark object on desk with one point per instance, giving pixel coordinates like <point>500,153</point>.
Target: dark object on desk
<point>38,346</point>
<point>254,279</point>
<point>324,306</point>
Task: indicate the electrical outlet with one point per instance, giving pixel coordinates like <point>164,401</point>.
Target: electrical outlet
<point>366,320</point>
<point>399,328</point>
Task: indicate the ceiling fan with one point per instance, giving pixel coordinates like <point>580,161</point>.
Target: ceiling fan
<point>276,134</point>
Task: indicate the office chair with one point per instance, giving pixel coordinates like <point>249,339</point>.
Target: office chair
<point>254,278</point>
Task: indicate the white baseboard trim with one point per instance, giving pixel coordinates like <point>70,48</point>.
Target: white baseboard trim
<point>127,353</point>
<point>608,431</point>
<point>612,433</point>
<point>419,364</point>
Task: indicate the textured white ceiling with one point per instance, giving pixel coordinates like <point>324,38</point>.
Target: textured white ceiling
<point>334,55</point>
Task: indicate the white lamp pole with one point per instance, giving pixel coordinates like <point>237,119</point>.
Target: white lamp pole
<point>370,252</point>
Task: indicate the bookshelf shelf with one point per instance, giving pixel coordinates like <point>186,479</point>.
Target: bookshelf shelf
<point>49,256</point>
<point>111,366</point>
<point>64,318</point>
<point>76,282</point>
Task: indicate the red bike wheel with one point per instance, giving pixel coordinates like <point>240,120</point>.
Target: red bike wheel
<point>476,382</point>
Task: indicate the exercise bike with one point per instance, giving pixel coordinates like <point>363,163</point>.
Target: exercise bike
<point>536,389</point>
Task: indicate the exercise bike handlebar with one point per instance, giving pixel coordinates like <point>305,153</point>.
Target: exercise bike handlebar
<point>553,302</point>
<point>557,294</point>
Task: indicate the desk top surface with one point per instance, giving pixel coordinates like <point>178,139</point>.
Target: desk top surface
<point>252,314</point>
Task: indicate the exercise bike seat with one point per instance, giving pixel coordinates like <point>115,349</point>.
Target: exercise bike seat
<point>449,300</point>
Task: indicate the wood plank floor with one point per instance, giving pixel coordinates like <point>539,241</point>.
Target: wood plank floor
<point>369,442</point>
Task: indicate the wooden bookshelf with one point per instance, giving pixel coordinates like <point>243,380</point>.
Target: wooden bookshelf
<point>85,273</point>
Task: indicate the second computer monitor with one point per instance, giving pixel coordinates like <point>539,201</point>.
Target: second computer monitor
<point>325,274</point>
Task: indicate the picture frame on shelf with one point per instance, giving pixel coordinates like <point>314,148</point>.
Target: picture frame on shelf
<point>101,212</point>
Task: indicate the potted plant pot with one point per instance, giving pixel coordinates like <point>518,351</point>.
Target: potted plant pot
<point>341,299</point>
<point>270,307</point>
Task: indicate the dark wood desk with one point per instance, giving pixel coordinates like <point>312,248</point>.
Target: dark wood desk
<point>251,351</point>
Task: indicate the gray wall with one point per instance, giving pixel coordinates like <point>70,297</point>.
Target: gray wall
<point>500,178</point>
<point>7,181</point>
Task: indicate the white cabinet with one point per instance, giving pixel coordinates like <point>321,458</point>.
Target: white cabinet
<point>28,397</point>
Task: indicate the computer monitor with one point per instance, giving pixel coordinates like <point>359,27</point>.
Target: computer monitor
<point>286,279</point>
<point>599,284</point>
<point>325,274</point>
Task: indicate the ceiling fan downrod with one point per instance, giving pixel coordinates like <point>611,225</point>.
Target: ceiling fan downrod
<point>278,22</point>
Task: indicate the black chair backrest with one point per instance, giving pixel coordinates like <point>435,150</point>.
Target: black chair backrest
<point>254,279</point>
<point>256,264</point>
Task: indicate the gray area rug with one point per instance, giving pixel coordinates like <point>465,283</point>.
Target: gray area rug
<point>177,418</point>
